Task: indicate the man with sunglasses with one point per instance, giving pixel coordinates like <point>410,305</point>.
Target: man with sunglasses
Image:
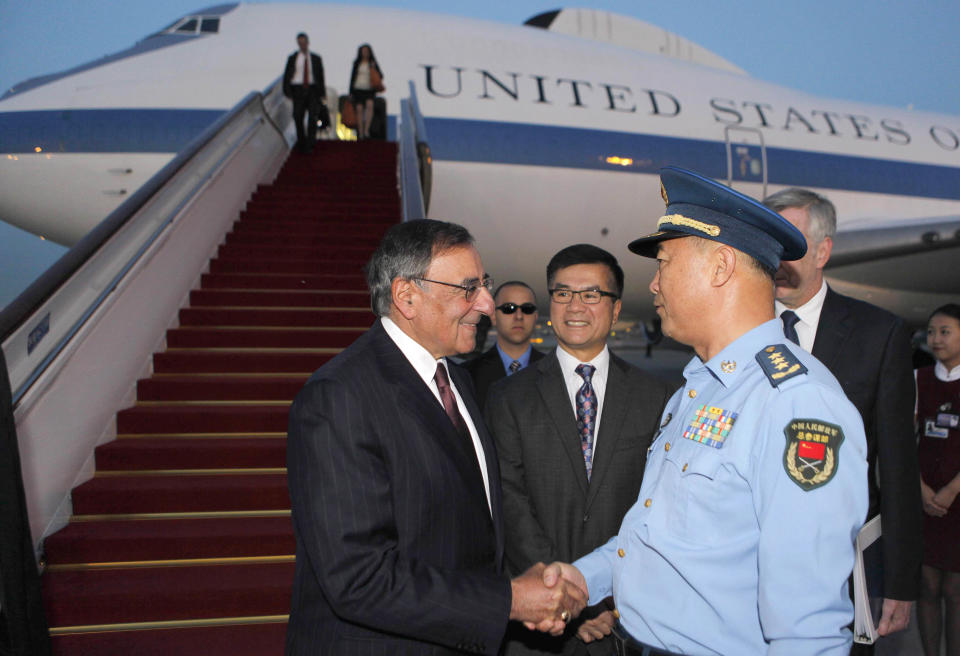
<point>572,432</point>
<point>515,318</point>
<point>394,483</point>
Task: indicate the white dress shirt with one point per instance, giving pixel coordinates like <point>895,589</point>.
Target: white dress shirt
<point>573,382</point>
<point>302,60</point>
<point>809,314</point>
<point>426,367</point>
<point>946,375</point>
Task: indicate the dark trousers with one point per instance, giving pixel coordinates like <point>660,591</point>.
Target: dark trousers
<point>305,101</point>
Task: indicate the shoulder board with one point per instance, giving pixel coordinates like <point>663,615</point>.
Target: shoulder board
<point>779,364</point>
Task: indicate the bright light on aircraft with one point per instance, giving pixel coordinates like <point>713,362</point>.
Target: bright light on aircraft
<point>620,161</point>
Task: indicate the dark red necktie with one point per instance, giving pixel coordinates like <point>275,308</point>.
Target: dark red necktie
<point>448,398</point>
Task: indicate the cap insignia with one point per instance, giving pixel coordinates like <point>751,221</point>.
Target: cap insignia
<point>677,219</point>
<point>663,194</point>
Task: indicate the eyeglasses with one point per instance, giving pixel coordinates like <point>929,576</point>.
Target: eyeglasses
<point>510,308</point>
<point>588,296</point>
<point>470,291</point>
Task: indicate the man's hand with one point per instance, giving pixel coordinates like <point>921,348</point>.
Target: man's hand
<point>597,628</point>
<point>894,617</point>
<point>545,600</point>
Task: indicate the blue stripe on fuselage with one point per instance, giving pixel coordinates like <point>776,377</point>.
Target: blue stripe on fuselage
<point>494,142</point>
<point>103,130</point>
<point>544,145</point>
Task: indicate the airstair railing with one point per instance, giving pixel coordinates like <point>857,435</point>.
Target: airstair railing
<point>415,160</point>
<point>36,326</point>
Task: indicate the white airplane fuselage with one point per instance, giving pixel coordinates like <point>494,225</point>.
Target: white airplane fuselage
<point>539,139</point>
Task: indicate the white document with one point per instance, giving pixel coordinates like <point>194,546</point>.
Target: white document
<point>864,630</point>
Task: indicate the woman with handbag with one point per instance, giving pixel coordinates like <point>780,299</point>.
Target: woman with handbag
<point>366,81</point>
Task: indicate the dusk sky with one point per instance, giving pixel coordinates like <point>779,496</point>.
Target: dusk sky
<point>898,52</point>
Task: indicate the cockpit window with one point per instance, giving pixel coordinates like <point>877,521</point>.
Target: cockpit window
<point>210,25</point>
<point>188,26</point>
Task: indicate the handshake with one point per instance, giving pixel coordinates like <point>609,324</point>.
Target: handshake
<point>546,597</point>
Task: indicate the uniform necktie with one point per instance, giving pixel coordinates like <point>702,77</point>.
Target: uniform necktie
<point>586,414</point>
<point>515,366</point>
<point>790,319</point>
<point>448,399</point>
<point>306,69</point>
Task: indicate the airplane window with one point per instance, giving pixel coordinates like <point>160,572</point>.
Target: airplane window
<point>189,26</point>
<point>210,25</point>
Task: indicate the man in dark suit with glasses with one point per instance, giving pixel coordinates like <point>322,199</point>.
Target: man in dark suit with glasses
<point>515,318</point>
<point>572,432</point>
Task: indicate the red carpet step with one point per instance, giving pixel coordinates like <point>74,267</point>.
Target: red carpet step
<point>307,281</point>
<point>279,298</point>
<point>151,594</point>
<point>203,418</point>
<point>257,337</point>
<point>227,361</point>
<point>170,539</point>
<point>220,387</point>
<point>302,317</point>
<point>279,265</point>
<point>177,494</point>
<point>264,639</point>
<point>129,454</point>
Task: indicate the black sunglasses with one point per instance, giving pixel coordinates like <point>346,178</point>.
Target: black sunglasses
<point>510,308</point>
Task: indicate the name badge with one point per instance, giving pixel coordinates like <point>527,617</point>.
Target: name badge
<point>932,430</point>
<point>947,420</point>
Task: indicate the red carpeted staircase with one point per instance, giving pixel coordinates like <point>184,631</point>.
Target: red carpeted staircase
<point>182,542</point>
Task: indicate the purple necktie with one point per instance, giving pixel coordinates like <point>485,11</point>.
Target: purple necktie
<point>586,414</point>
<point>448,399</point>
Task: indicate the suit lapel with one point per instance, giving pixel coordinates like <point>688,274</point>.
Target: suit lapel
<point>414,395</point>
<point>615,400</point>
<point>833,329</point>
<point>489,453</point>
<point>553,392</point>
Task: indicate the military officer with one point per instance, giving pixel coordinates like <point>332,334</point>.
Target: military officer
<point>741,540</point>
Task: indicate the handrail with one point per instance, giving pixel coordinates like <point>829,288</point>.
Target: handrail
<point>415,160</point>
<point>410,190</point>
<point>424,157</point>
<point>27,305</point>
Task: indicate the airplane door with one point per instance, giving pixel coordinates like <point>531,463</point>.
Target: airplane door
<point>746,157</point>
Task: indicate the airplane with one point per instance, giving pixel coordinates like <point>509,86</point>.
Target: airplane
<point>542,135</point>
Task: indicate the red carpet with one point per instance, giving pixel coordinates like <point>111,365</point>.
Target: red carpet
<point>182,542</point>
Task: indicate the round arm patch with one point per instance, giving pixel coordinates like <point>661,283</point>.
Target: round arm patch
<point>812,453</point>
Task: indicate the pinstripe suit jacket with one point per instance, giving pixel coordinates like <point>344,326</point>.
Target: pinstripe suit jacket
<point>552,511</point>
<point>396,549</point>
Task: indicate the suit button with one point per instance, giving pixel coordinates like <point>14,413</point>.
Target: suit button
<point>692,394</point>
<point>666,447</point>
<point>621,553</point>
<point>586,517</point>
<point>646,504</point>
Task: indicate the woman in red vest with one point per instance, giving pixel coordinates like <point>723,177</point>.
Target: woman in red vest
<point>938,418</point>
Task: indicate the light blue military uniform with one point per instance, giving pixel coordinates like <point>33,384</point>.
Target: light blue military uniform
<point>741,541</point>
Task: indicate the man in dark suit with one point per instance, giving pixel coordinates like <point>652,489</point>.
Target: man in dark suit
<point>303,83</point>
<point>393,479</point>
<point>515,318</point>
<point>570,474</point>
<point>868,350</point>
